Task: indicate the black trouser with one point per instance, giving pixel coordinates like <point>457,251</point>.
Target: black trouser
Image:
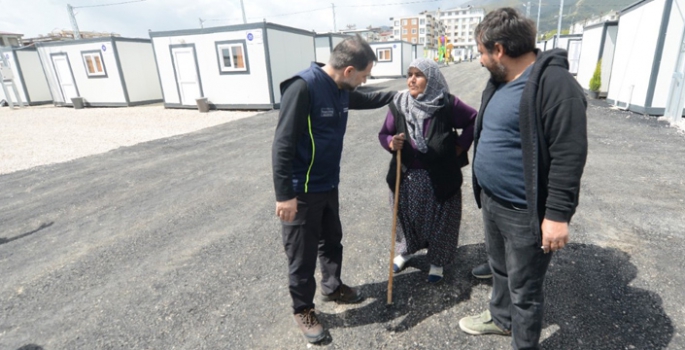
<point>316,231</point>
<point>518,268</point>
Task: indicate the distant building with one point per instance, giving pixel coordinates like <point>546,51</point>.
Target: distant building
<point>369,34</point>
<point>459,24</point>
<point>10,39</point>
<point>577,28</point>
<point>62,35</point>
<point>423,29</point>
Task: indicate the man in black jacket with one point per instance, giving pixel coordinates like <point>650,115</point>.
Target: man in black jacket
<point>529,153</point>
<point>306,169</point>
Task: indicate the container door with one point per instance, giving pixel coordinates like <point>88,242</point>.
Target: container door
<point>65,79</point>
<point>676,97</point>
<point>186,74</point>
<point>574,47</point>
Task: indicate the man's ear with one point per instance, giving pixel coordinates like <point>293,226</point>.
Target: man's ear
<point>498,50</point>
<point>348,71</point>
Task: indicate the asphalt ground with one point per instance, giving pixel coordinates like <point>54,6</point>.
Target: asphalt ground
<point>173,244</point>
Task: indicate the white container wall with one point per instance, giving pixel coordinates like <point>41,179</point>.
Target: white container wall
<point>92,69</point>
<point>29,77</point>
<point>599,42</point>
<point>139,69</point>
<point>234,67</point>
<point>646,58</point>
<point>325,43</point>
<point>676,94</point>
<point>290,53</point>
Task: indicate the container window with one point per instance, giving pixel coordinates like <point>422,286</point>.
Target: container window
<point>384,54</point>
<point>95,67</point>
<point>232,57</point>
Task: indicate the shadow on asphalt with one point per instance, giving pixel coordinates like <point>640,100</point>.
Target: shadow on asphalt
<point>31,347</point>
<point>414,299</point>
<point>588,299</point>
<point>4,240</point>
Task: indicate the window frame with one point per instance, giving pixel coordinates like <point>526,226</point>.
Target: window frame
<point>98,54</point>
<point>230,44</point>
<point>388,49</point>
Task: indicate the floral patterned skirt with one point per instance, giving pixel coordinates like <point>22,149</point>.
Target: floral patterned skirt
<point>423,222</point>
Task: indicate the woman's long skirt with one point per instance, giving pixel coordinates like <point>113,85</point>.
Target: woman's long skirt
<point>424,222</point>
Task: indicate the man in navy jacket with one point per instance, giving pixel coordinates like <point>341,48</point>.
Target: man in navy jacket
<point>306,169</point>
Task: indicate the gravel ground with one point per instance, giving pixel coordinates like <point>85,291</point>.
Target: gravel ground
<point>173,244</point>
<point>42,135</point>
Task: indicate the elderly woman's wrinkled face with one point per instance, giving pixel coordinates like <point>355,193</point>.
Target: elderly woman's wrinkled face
<point>416,82</point>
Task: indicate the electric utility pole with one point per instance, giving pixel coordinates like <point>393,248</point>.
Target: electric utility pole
<point>72,17</point>
<point>528,9</point>
<point>242,6</point>
<point>74,25</point>
<point>537,24</point>
<point>561,12</point>
<point>335,26</point>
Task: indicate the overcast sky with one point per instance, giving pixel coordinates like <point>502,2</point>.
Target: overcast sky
<point>133,19</point>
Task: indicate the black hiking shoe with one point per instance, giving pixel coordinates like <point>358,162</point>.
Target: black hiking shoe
<point>482,271</point>
<point>344,295</point>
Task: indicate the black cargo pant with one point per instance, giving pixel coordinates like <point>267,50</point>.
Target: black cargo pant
<point>315,232</point>
<point>518,268</point>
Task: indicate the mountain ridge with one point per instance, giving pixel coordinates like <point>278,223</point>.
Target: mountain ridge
<point>574,10</point>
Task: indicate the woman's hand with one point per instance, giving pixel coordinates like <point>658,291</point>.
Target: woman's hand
<point>397,142</point>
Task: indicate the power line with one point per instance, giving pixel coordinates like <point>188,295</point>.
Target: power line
<point>328,8</point>
<point>270,16</point>
<point>394,4</point>
<point>102,5</point>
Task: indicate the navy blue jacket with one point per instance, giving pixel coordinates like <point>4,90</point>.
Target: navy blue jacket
<point>312,122</point>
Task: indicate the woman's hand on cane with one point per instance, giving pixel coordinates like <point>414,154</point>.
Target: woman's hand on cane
<point>397,142</point>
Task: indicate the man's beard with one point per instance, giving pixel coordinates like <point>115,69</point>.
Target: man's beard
<point>346,86</point>
<point>498,73</point>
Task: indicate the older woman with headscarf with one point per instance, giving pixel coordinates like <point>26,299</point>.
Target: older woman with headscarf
<point>429,209</point>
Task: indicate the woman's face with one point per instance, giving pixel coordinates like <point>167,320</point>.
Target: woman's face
<point>416,82</point>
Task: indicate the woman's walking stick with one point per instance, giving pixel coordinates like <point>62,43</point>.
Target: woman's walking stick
<point>394,223</point>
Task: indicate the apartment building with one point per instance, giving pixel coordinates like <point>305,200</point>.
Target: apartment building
<point>421,29</point>
<point>459,25</point>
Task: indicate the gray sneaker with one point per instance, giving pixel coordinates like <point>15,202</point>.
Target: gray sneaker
<point>310,326</point>
<point>482,271</point>
<point>481,324</point>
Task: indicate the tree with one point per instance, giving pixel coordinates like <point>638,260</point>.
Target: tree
<point>552,33</point>
<point>596,80</point>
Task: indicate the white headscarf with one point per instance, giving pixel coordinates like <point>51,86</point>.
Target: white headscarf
<point>418,109</point>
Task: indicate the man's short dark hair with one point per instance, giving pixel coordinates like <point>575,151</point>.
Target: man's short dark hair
<point>353,51</point>
<point>509,28</point>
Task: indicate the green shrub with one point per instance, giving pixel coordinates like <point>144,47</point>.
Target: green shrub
<point>596,80</point>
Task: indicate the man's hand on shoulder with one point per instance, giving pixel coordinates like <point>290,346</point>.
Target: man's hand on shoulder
<point>286,210</point>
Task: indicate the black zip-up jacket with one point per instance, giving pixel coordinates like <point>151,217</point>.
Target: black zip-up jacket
<point>312,121</point>
<point>441,160</point>
<point>553,125</point>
